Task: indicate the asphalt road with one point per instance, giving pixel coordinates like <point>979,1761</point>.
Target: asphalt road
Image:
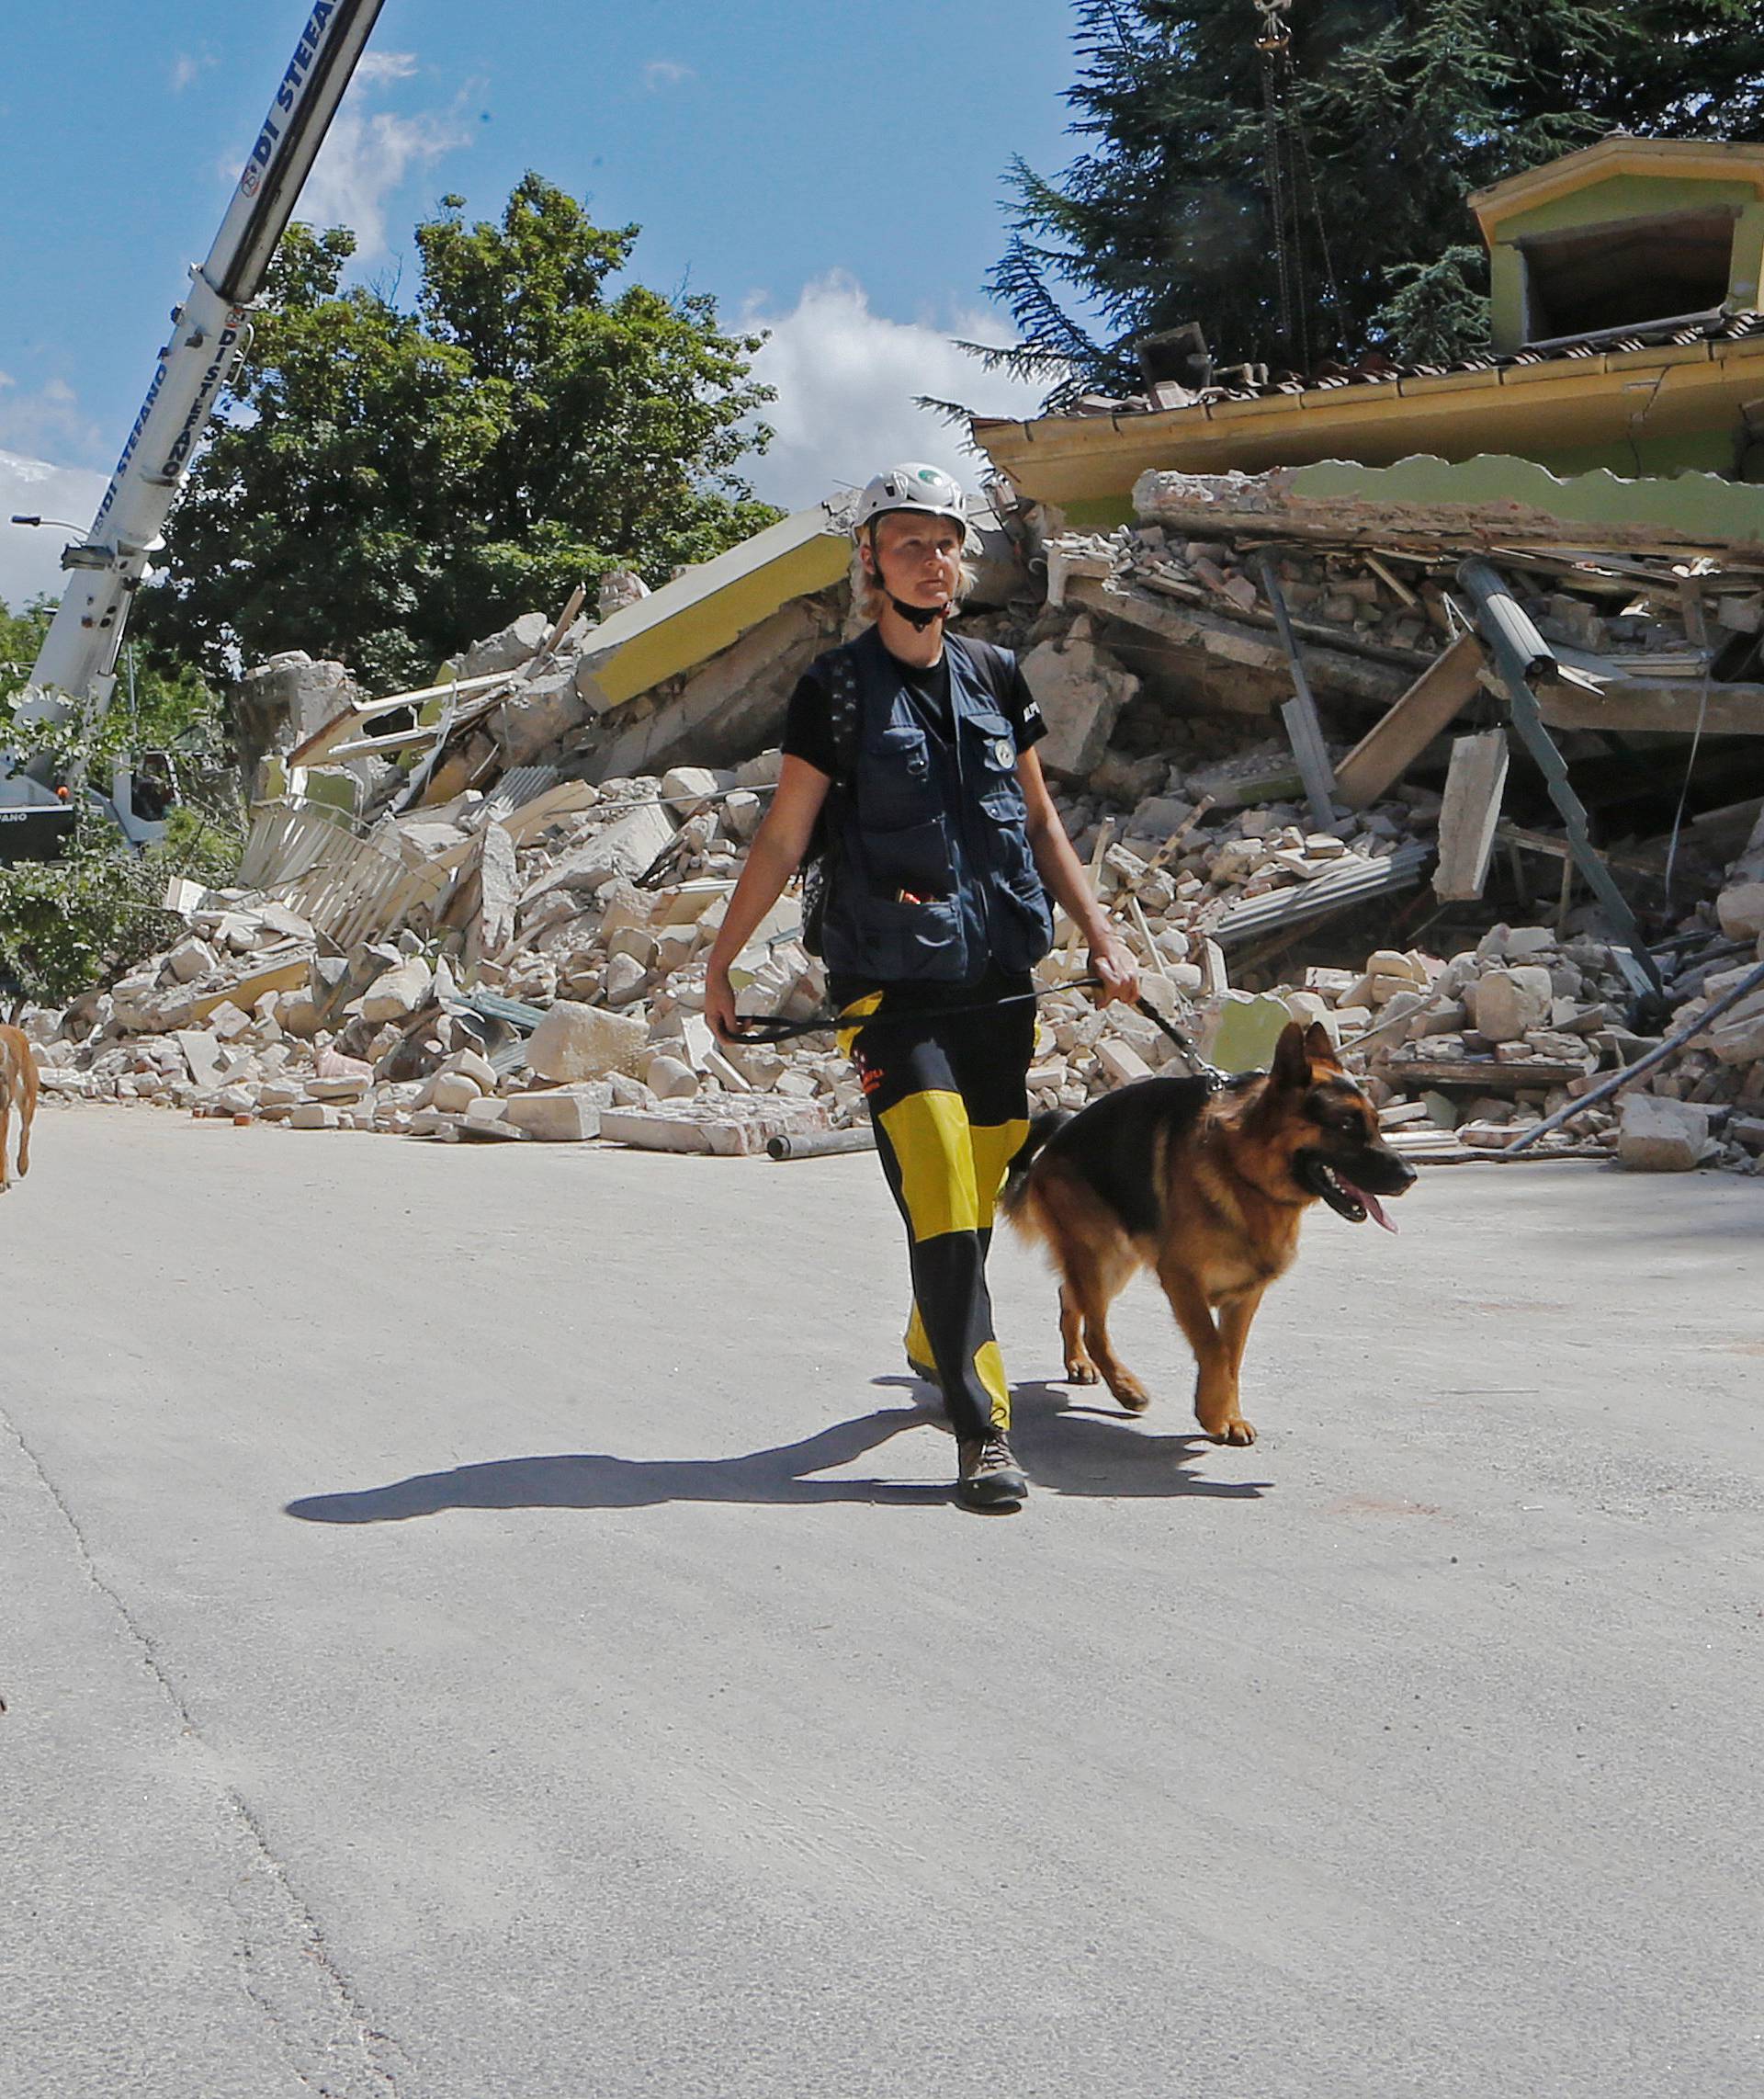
<point>487,1622</point>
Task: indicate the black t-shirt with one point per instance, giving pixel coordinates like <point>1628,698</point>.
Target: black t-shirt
<point>808,733</point>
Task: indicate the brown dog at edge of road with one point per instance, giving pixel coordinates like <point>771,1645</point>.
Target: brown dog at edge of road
<point>1208,1188</point>
<point>18,1090</point>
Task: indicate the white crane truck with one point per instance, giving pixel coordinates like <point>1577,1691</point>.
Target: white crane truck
<point>77,664</point>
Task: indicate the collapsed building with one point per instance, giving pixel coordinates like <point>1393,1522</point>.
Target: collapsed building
<point>1460,753</point>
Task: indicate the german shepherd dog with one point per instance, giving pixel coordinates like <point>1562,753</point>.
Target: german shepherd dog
<point>1208,1188</point>
<point>18,1090</point>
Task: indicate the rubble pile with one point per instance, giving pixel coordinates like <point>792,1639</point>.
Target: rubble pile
<point>483,909</point>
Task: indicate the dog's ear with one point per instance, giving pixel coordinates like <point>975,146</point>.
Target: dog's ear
<point>1291,1058</point>
<point>1318,1047</point>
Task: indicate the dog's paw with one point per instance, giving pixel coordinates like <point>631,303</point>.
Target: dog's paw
<point>1082,1372</point>
<point>1235,1431</point>
<point>1131,1396</point>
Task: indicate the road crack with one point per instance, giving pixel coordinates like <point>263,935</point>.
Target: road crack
<point>333,2043</point>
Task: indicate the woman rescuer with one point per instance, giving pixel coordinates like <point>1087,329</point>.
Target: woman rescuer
<point>909,767</point>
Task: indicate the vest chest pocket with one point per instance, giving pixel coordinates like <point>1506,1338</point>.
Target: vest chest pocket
<point>896,786</point>
<point>992,754</point>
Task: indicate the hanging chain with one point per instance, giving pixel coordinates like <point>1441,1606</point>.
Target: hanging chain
<point>1274,43</point>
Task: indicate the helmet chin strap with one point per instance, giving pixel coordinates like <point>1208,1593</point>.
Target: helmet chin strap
<point>920,616</point>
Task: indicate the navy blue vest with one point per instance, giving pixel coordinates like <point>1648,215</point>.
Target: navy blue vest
<point>931,878</point>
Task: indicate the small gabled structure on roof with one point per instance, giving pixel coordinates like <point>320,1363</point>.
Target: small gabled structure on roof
<point>1625,235</point>
<point>1627,334</point>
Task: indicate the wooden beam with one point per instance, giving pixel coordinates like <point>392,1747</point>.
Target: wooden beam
<point>1469,813</point>
<point>1388,749</point>
<point>1673,704</point>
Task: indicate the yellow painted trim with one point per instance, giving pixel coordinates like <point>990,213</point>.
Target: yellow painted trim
<point>713,605</point>
<point>1684,158</point>
<point>1537,411</point>
<point>701,629</point>
<point>281,977</point>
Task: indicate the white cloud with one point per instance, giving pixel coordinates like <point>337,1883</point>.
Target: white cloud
<point>846,378</point>
<point>47,419</point>
<point>666,73</point>
<point>188,67</point>
<point>386,65</point>
<point>31,558</point>
<point>369,154</point>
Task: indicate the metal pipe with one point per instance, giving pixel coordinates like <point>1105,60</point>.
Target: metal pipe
<point>822,1145</point>
<point>1519,654</point>
<point>1304,732</point>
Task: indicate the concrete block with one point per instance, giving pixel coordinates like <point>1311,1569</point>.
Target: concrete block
<point>1507,1004</point>
<point>1244,1033</point>
<point>507,651</point>
<point>562,1118</point>
<point>453,1092</point>
<point>314,1115</point>
<point>399,992</point>
<point>191,959</point>
<point>670,1078</point>
<point>689,788</point>
<point>1740,909</point>
<point>1122,1062</point>
<point>1081,690</point>
<point>586,1042</point>
<point>228,1021</point>
<point>1739,1041</point>
<point>203,1054</point>
<point>349,1088</point>
<point>1657,1136</point>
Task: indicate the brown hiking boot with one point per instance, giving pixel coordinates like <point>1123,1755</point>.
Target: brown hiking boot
<point>991,1477</point>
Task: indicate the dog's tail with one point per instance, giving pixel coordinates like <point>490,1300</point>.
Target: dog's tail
<point>1016,1174</point>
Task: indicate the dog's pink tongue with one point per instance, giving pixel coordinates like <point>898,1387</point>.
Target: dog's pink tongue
<point>1374,1208</point>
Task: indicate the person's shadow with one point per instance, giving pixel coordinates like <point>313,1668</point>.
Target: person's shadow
<point>1084,1452</point>
<point>1074,1440</point>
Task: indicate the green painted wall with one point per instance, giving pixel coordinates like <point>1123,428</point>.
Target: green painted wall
<point>1694,504</point>
<point>1703,451</point>
<point>1626,197</point>
<point>1100,513</point>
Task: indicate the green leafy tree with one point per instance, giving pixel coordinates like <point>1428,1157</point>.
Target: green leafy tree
<point>386,486</point>
<point>70,924</point>
<point>1392,113</point>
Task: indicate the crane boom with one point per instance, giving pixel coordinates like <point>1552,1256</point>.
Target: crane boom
<point>209,331</point>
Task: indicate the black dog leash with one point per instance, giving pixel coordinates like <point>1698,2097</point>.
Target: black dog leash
<point>762,1028</point>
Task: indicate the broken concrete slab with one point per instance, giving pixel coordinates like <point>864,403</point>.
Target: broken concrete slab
<point>626,847</point>
<point>1473,787</point>
<point>567,1116</point>
<point>1658,1136</point>
<point>1081,689</point>
<point>576,1041</point>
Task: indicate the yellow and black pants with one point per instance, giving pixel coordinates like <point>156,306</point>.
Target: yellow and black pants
<point>948,1099</point>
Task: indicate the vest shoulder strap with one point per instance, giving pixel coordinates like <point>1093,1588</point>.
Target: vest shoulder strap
<point>995,667</point>
<point>842,715</point>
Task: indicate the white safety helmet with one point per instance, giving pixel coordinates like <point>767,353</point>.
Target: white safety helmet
<point>912,486</point>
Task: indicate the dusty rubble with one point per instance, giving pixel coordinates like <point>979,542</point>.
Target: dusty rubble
<point>461,926</point>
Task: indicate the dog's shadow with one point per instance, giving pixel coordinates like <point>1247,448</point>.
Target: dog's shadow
<point>1076,1441</point>
<point>1069,1448</point>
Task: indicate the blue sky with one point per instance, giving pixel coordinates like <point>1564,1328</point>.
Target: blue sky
<point>830,170</point>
